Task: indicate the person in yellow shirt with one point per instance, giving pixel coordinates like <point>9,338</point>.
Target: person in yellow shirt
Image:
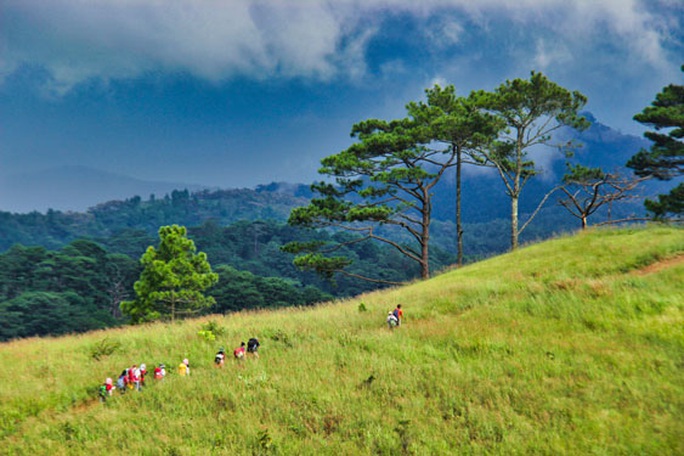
<point>184,368</point>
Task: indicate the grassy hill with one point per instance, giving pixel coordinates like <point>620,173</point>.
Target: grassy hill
<point>571,346</point>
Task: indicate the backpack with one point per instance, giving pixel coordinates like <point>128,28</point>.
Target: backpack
<point>252,344</point>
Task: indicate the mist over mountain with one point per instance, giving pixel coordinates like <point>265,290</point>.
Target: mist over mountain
<point>76,188</point>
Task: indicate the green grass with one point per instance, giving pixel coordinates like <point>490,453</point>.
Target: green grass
<point>571,346</point>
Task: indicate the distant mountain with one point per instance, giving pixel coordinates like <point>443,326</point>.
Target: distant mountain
<point>76,188</point>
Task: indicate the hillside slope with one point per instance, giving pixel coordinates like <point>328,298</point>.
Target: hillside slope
<point>571,346</point>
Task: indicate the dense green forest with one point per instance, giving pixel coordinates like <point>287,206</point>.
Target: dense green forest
<point>79,286</point>
<point>112,219</point>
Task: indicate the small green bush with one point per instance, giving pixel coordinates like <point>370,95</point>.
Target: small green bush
<point>104,347</point>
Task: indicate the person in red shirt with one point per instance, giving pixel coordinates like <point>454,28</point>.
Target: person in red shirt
<point>159,372</point>
<point>239,353</point>
<point>109,386</point>
<point>130,384</point>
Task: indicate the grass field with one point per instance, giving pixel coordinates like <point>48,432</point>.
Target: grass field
<point>571,346</point>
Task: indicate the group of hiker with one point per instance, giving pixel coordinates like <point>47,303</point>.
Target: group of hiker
<point>133,378</point>
<point>252,348</point>
<point>394,317</point>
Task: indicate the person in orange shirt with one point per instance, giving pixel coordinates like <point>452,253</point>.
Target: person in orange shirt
<point>399,314</point>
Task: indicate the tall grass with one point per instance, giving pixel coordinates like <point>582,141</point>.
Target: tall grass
<point>572,346</point>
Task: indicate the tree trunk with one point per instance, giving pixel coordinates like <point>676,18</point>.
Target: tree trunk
<point>514,222</point>
<point>425,237</point>
<point>459,227</point>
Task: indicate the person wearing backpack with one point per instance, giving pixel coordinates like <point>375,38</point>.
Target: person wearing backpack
<point>253,347</point>
<point>122,382</point>
<point>220,357</point>
<point>398,314</point>
<point>392,321</point>
<point>102,393</point>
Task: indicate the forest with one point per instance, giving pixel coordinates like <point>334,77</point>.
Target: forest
<point>79,286</point>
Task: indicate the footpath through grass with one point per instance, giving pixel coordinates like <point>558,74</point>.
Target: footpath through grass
<point>571,346</point>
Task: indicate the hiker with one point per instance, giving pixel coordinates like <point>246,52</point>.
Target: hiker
<point>102,393</point>
<point>392,321</point>
<point>134,377</point>
<point>159,372</point>
<point>130,383</point>
<point>399,314</point>
<point>109,386</point>
<point>143,372</point>
<point>253,347</point>
<point>106,390</point>
<point>239,353</point>
<point>220,357</point>
<point>122,382</point>
<point>184,368</point>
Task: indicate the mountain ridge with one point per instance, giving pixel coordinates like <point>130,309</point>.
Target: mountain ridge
<point>79,188</point>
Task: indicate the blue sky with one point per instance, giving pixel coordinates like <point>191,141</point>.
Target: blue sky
<point>232,93</point>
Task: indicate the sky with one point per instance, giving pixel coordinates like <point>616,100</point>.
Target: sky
<point>237,93</point>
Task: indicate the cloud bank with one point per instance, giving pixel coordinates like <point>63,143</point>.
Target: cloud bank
<point>74,41</point>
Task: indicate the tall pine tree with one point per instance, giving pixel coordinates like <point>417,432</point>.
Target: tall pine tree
<point>173,279</point>
<point>665,159</point>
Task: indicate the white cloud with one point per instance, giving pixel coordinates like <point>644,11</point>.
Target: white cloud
<point>550,53</point>
<point>76,40</point>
